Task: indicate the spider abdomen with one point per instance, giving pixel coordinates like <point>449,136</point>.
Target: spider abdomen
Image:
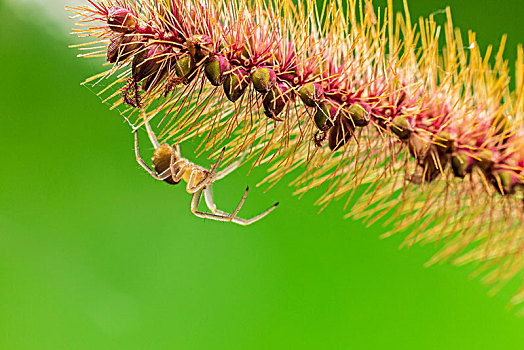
<point>161,161</point>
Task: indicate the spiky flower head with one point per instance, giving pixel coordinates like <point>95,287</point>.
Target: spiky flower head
<point>434,135</point>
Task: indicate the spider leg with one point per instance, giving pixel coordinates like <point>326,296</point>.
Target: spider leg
<point>210,178</point>
<point>212,174</point>
<point>239,206</point>
<point>214,167</point>
<point>245,222</point>
<point>210,202</point>
<point>232,167</point>
<point>151,134</point>
<point>146,167</point>
<point>208,195</point>
<point>195,201</point>
<point>154,141</point>
<point>177,175</point>
<point>191,187</point>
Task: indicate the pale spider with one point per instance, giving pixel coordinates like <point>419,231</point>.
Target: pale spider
<point>172,168</point>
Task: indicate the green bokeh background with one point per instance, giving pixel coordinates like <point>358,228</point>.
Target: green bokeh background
<point>95,254</point>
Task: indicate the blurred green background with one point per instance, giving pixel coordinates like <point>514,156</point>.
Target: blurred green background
<point>95,254</point>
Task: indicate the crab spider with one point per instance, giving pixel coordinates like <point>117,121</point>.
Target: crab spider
<point>172,168</point>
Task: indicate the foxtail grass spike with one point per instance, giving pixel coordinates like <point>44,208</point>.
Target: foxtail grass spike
<point>342,96</point>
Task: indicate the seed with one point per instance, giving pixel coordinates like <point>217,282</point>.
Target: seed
<point>443,142</point>
<point>275,101</point>
<point>485,161</point>
<point>311,94</point>
<point>341,132</point>
<point>358,115</point>
<point>155,79</point>
<point>184,67</point>
<point>235,84</point>
<point>434,163</point>
<point>146,62</point>
<point>264,79</point>
<point>419,147</point>
<point>121,47</point>
<point>121,20</point>
<point>401,127</point>
<point>430,169</point>
<point>113,48</point>
<point>503,182</point>
<point>216,70</point>
<point>431,162</point>
<point>461,164</point>
<point>325,116</point>
<point>200,46</point>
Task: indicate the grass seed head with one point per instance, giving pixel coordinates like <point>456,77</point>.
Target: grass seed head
<point>399,113</point>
